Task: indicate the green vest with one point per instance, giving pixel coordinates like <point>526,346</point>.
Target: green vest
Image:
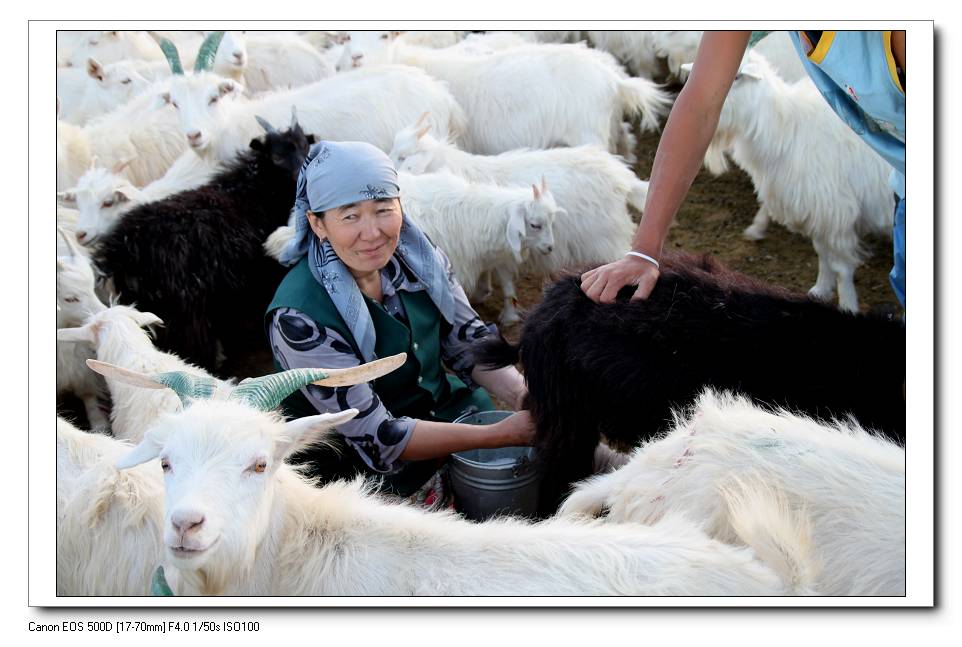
<point>420,388</point>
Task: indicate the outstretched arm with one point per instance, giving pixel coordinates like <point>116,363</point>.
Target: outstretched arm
<point>689,130</point>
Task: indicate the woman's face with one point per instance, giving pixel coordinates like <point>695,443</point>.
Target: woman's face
<point>364,235</point>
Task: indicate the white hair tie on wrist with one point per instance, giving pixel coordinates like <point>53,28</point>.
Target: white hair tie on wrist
<point>644,256</point>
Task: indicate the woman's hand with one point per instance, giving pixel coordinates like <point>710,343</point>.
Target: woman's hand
<point>515,431</point>
<point>602,284</point>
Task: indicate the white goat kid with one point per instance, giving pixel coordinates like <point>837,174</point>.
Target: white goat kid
<point>850,483</point>
<point>366,105</point>
<point>590,95</point>
<point>483,228</point>
<point>238,521</point>
<point>276,61</point>
<point>108,47</point>
<point>77,300</point>
<point>832,198</point>
<point>592,187</point>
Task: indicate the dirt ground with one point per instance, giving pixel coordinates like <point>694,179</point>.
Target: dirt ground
<point>711,220</point>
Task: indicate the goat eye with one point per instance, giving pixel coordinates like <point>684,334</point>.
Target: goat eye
<point>125,81</point>
<point>534,226</point>
<point>259,467</point>
<point>213,100</point>
<point>174,103</point>
<point>72,300</point>
<point>277,159</point>
<point>165,464</point>
<point>107,204</point>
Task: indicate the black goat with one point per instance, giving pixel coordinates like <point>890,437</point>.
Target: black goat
<point>620,369</point>
<point>196,259</point>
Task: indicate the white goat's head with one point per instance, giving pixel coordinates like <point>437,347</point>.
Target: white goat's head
<point>220,457</point>
<point>76,299</point>
<point>413,147</point>
<point>232,57</point>
<point>530,224</point>
<point>101,196</point>
<point>365,48</point>
<point>201,98</point>
<point>123,324</point>
<point>119,81</point>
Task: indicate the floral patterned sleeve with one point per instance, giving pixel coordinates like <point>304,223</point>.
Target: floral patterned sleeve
<point>379,438</point>
<point>468,327</point>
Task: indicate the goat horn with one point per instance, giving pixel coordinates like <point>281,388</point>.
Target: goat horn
<point>293,117</point>
<point>265,124</point>
<point>421,119</point>
<point>70,244</point>
<point>267,392</point>
<point>207,51</point>
<point>170,52</point>
<point>187,387</point>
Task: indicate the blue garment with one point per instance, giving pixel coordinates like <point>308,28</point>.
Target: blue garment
<point>856,73</point>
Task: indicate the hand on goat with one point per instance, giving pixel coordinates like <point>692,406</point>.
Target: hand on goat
<point>515,430</point>
<point>602,284</point>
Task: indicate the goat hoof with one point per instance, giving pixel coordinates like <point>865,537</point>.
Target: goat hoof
<point>824,297</point>
<point>753,233</point>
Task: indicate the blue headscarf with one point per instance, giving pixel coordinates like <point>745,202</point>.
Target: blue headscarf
<point>339,173</point>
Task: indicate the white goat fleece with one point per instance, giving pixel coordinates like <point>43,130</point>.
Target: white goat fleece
<point>76,300</point>
<point>539,96</point>
<point>592,186</point>
<point>271,61</point>
<point>109,522</point>
<point>254,526</point>
<point>481,227</point>
<point>368,105</point>
<point>850,483</point>
<point>552,36</point>
<point>488,43</point>
<point>635,49</point>
<point>103,196</point>
<point>118,337</point>
<point>149,139</point>
<point>811,172</point>
<point>108,47</point>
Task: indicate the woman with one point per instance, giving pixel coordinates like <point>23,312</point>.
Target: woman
<point>367,283</point>
<point>861,74</point>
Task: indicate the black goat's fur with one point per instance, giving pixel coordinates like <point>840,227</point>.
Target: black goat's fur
<point>195,258</point>
<point>619,369</point>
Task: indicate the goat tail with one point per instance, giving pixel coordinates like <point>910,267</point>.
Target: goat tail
<point>762,518</point>
<point>495,352</point>
<point>638,194</point>
<point>588,499</point>
<point>644,98</point>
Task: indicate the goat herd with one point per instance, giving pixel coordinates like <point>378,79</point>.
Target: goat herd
<point>766,428</point>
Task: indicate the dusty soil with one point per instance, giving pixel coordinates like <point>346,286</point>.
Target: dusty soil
<point>711,220</point>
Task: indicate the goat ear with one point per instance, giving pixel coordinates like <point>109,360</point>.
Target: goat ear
<point>305,432</point>
<point>423,130</point>
<point>311,139</point>
<point>120,196</point>
<point>228,86</point>
<point>81,334</point>
<point>515,231</point>
<point>147,319</point>
<point>67,198</point>
<point>119,167</point>
<point>148,449</point>
<point>422,119</point>
<point>95,69</point>
<point>537,193</point>
<point>257,144</point>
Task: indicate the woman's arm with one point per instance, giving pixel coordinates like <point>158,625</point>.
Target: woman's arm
<point>436,439</point>
<point>689,129</point>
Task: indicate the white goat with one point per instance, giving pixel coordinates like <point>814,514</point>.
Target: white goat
<point>77,300</point>
<point>482,227</point>
<point>103,196</point>
<point>117,336</point>
<point>591,186</point>
<point>488,43</point>
<point>267,62</point>
<point>109,522</point>
<point>150,139</point>
<point>771,129</point>
<point>364,105</point>
<point>95,89</point>
<point>107,47</point>
<point>635,49</point>
<point>238,521</point>
<point>540,96</point>
<point>850,483</point>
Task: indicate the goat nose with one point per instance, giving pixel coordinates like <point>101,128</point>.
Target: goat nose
<point>187,520</point>
<point>550,248</point>
<point>194,136</point>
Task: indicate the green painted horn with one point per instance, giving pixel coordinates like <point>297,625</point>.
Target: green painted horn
<point>267,392</point>
<point>158,583</point>
<point>170,52</point>
<point>187,387</point>
<point>207,51</point>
